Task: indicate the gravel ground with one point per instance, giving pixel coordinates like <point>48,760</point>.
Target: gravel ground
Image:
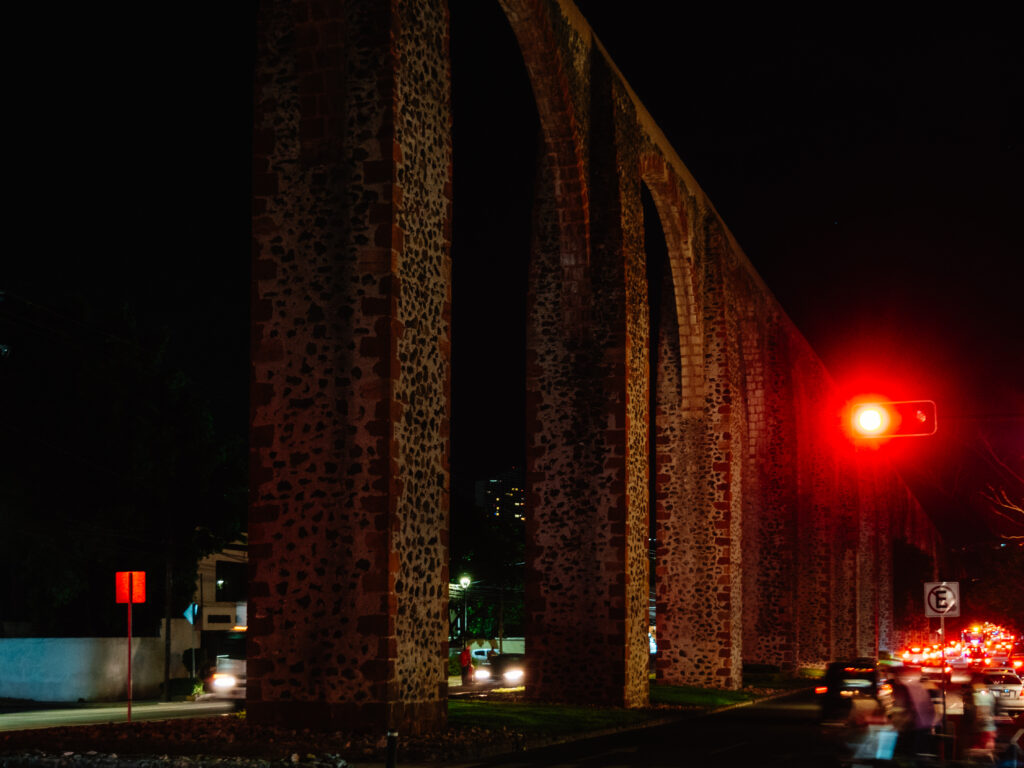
<point>231,741</point>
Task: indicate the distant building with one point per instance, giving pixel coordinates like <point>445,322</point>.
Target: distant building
<point>223,589</point>
<point>503,495</point>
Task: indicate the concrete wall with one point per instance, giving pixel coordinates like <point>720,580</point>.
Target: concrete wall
<point>87,668</point>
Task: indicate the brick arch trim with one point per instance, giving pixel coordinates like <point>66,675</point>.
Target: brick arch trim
<point>534,29</point>
<point>672,212</point>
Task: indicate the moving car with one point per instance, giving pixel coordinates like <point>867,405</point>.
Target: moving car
<point>228,677</point>
<point>509,669</point>
<point>846,681</point>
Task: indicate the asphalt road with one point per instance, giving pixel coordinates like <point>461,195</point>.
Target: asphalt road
<point>21,716</point>
<point>780,732</point>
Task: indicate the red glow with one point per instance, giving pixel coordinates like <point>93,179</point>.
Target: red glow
<point>878,418</point>
<point>870,419</point>
<point>138,589</point>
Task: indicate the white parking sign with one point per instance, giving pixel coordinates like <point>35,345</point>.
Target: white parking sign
<point>942,599</point>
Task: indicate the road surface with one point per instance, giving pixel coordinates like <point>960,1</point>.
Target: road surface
<point>22,716</point>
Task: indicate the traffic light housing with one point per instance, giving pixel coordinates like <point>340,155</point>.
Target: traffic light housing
<point>905,418</point>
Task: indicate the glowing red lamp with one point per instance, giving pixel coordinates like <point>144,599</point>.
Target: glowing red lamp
<point>906,418</point>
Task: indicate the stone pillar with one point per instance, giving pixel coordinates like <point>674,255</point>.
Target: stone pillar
<point>769,521</point>
<point>700,577</point>
<point>868,586</point>
<point>755,445</point>
<point>586,446</point>
<point>679,442</point>
<point>723,511</point>
<point>774,574</point>
<point>815,492</point>
<point>845,534</point>
<point>350,378</point>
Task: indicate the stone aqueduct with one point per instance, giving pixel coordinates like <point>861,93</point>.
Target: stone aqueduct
<point>775,542</point>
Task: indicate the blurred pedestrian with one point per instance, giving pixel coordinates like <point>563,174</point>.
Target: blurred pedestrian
<point>913,713</point>
<point>466,662</point>
<point>979,718</point>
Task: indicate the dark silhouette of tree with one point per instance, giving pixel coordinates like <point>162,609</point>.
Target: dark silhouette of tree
<point>111,460</point>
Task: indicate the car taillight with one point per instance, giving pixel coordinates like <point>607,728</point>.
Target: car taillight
<point>821,689</point>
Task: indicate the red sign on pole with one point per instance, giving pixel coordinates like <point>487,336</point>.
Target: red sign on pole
<point>130,588</point>
<point>137,591</point>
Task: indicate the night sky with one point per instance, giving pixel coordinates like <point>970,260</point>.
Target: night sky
<point>869,168</point>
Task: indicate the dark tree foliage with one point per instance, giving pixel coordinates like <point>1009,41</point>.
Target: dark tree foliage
<point>111,461</point>
<point>993,584</point>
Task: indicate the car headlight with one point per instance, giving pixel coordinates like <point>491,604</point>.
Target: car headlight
<point>482,674</point>
<point>514,675</point>
<point>222,681</point>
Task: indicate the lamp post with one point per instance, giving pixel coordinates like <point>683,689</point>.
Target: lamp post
<point>464,582</point>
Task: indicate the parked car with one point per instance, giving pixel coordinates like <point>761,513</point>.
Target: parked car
<point>509,669</point>
<point>1007,689</point>
<point>482,655</point>
<point>846,681</point>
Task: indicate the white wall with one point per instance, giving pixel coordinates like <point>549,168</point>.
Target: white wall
<point>88,668</point>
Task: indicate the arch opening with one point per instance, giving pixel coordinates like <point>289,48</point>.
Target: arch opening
<point>494,143</point>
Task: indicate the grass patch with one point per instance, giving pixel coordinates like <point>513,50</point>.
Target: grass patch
<point>778,680</point>
<point>692,696</point>
<point>542,718</point>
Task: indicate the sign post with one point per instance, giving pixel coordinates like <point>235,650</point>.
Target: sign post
<point>942,599</point>
<point>191,614</point>
<point>130,588</point>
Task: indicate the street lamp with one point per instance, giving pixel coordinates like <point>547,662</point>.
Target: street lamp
<point>464,582</point>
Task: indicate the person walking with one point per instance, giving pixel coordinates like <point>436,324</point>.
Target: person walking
<point>466,662</point>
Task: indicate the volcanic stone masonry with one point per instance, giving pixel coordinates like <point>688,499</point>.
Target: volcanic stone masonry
<point>774,543</point>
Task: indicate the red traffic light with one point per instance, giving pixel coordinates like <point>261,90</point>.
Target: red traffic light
<point>907,418</point>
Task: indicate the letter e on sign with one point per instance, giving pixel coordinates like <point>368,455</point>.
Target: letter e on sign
<point>942,599</point>
<point>138,586</point>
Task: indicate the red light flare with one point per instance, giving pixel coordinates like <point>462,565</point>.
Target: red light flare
<point>862,422</point>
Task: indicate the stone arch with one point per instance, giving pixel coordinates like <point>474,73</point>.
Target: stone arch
<point>585,493</point>
<point>351,382</point>
<point>562,151</point>
<point>674,213</point>
<point>678,432</point>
